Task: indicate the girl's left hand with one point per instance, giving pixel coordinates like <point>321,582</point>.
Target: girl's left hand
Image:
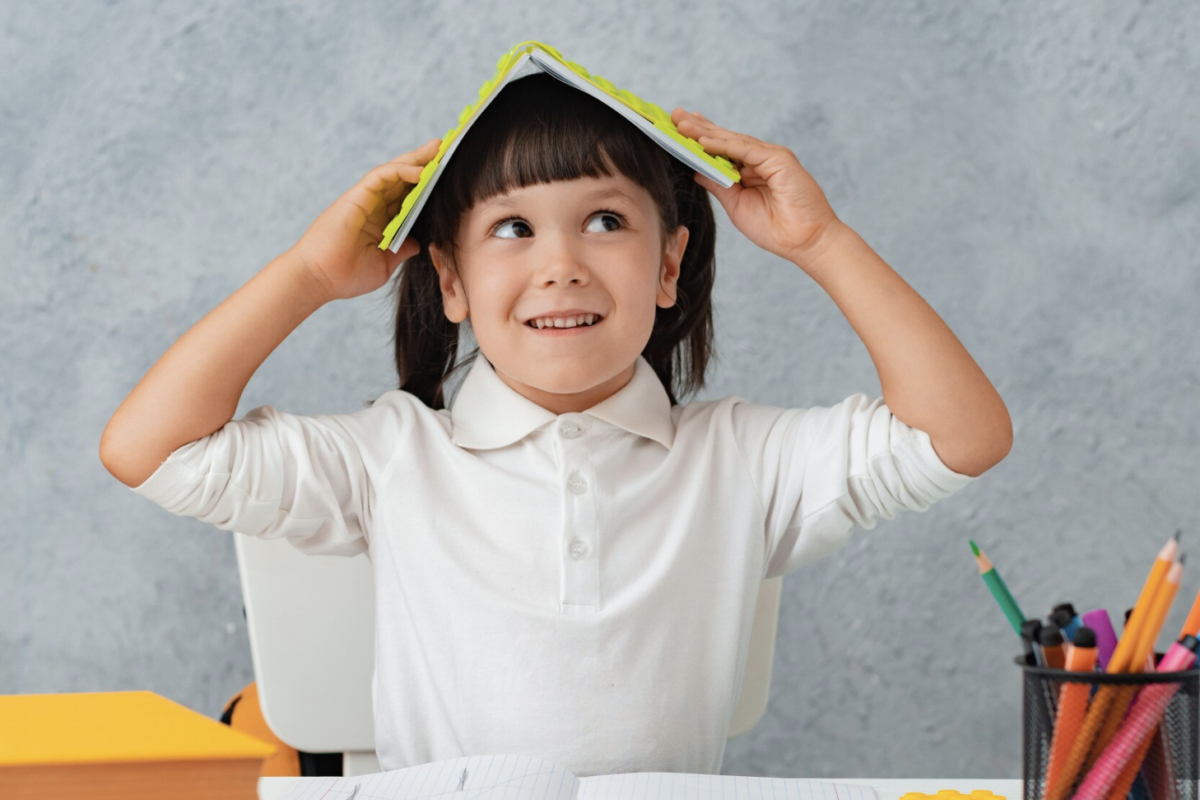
<point>777,204</point>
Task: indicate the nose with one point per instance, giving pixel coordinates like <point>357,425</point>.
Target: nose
<point>558,264</point>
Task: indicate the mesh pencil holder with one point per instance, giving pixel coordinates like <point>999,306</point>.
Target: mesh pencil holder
<point>1167,771</point>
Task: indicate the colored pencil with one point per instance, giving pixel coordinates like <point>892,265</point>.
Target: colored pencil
<point>1142,655</point>
<point>1103,699</point>
<point>999,589</point>
<point>1137,731</point>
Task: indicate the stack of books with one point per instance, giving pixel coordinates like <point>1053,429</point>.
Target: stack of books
<point>126,745</point>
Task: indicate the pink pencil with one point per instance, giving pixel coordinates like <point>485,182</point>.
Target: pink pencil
<point>1143,719</point>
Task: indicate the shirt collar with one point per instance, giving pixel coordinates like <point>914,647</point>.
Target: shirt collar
<point>488,413</point>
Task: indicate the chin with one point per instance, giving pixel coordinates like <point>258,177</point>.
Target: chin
<point>563,380</point>
<point>568,375</point>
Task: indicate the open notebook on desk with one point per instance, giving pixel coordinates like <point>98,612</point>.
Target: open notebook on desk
<point>523,778</point>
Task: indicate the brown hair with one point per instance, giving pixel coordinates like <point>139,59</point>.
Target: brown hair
<point>538,130</point>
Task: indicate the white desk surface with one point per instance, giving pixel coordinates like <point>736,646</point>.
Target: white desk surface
<point>885,788</point>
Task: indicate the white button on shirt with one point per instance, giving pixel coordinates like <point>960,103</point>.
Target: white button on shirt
<point>576,587</point>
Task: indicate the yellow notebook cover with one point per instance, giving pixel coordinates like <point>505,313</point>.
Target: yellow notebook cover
<point>530,57</point>
<point>95,727</point>
<point>953,794</point>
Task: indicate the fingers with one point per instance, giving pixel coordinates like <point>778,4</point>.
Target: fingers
<point>399,178</point>
<point>422,155</point>
<point>697,122</point>
<point>738,147</point>
<point>738,150</point>
<point>394,178</point>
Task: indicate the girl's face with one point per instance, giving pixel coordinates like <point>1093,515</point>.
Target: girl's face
<point>587,246</point>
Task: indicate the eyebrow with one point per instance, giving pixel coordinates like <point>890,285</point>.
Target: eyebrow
<point>504,201</point>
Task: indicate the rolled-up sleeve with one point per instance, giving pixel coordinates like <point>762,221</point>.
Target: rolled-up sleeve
<point>273,474</point>
<point>822,471</point>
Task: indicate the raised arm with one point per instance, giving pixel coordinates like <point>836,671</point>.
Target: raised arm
<point>194,388</point>
<point>930,381</point>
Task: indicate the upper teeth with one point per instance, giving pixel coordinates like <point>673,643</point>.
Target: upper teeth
<point>563,322</point>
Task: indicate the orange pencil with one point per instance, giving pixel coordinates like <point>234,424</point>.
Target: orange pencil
<point>1072,704</point>
<point>1192,625</point>
<point>1158,616</point>
<point>1146,637</point>
<point>1119,662</point>
<point>1161,769</point>
<point>1122,657</point>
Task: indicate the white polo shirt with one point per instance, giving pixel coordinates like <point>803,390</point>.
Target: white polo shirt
<point>576,587</point>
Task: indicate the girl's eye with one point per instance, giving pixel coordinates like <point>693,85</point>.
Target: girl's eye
<point>518,221</point>
<point>515,220</point>
<point>611,214</point>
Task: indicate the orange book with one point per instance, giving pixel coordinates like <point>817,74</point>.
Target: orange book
<point>122,745</point>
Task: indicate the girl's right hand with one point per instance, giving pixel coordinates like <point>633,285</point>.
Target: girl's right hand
<point>341,248</point>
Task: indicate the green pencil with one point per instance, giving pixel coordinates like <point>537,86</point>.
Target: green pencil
<point>999,591</point>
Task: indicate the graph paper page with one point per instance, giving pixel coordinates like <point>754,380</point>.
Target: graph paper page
<point>687,786</point>
<point>493,777</point>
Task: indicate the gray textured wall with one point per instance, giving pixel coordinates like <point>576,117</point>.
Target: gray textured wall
<point>1031,168</point>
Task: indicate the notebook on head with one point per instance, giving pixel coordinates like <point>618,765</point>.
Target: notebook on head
<point>531,57</point>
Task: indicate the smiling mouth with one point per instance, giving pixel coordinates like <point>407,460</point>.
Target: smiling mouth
<point>530,324</point>
<point>552,331</point>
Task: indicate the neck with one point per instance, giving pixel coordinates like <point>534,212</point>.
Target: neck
<point>572,402</point>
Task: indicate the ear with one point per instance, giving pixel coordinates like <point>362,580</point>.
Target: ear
<point>454,298</point>
<point>668,280</point>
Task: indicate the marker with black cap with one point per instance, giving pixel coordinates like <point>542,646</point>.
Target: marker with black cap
<point>1029,639</point>
<point>1066,619</point>
<point>1051,640</point>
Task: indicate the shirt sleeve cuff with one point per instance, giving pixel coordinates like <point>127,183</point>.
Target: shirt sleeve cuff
<point>919,448</point>
<point>170,484</point>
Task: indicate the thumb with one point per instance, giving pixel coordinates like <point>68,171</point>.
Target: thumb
<point>724,196</point>
<point>407,250</point>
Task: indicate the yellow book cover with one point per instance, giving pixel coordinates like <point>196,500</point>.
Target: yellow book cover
<point>530,57</point>
<point>107,727</point>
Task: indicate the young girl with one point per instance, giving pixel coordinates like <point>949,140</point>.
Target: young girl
<point>566,558</point>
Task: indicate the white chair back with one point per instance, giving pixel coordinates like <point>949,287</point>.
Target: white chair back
<point>311,621</point>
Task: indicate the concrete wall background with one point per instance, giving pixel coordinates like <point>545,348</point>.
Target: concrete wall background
<point>1031,168</point>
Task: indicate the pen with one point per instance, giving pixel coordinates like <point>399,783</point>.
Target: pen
<point>1051,640</point>
<point>1106,637</point>
<point>1034,628</point>
<point>1029,632</point>
<point>1073,700</point>
<point>1066,619</point>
